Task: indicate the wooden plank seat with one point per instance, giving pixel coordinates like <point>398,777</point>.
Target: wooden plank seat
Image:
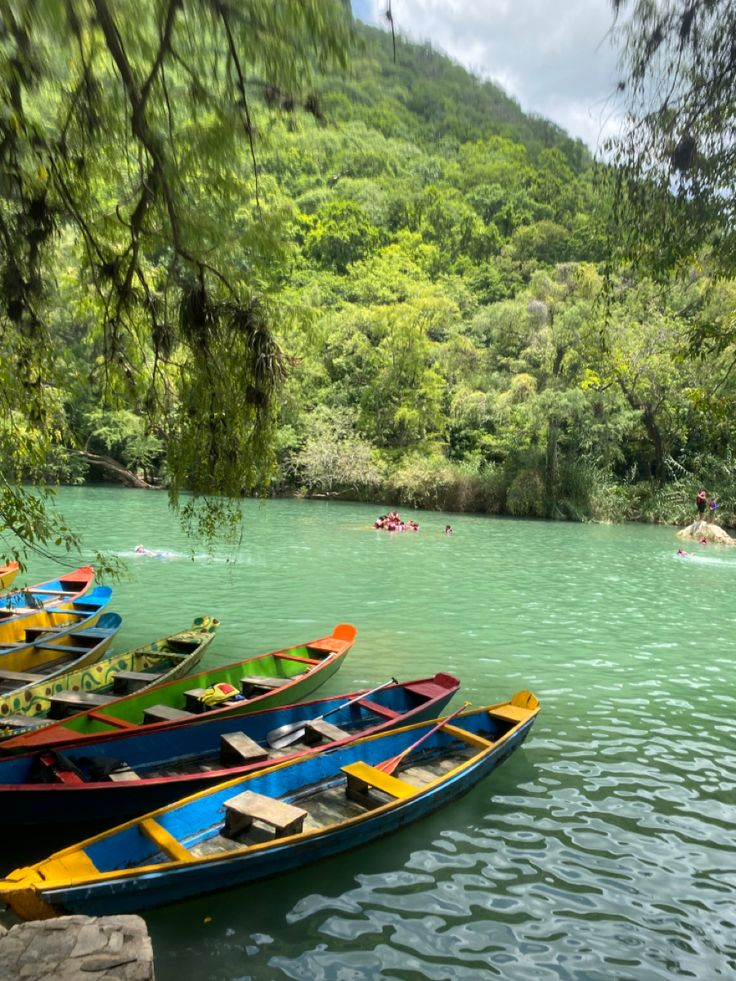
<point>511,713</point>
<point>25,722</point>
<point>381,710</point>
<point>241,811</point>
<point>125,682</point>
<point>164,840</point>
<point>66,648</point>
<point>68,702</point>
<point>240,748</point>
<point>123,774</point>
<point>165,713</point>
<point>193,700</point>
<point>362,778</point>
<point>61,769</point>
<point>326,646</point>
<point>32,634</point>
<point>319,731</point>
<point>20,677</point>
<point>252,682</point>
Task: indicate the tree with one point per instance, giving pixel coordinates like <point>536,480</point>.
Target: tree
<point>675,159</point>
<point>129,135</point>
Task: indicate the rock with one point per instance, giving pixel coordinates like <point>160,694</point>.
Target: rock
<point>712,532</point>
<point>78,948</point>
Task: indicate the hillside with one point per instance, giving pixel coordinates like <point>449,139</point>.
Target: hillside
<point>396,287</point>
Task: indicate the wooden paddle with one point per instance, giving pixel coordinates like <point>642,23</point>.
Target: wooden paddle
<point>388,766</point>
<point>292,731</point>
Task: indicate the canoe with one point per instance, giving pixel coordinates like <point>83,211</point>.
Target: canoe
<point>274,820</point>
<point>127,774</point>
<point>133,670</point>
<point>44,634</point>
<point>23,608</point>
<point>50,593</point>
<point>49,659</point>
<point>57,626</point>
<point>8,572</point>
<point>266,681</point>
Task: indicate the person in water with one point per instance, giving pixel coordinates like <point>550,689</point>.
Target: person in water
<point>682,553</point>
<point>448,529</point>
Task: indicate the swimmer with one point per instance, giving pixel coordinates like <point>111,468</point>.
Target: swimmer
<point>682,553</point>
<point>703,541</point>
<point>448,529</point>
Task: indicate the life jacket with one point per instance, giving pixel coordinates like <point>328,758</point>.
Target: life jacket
<point>216,694</point>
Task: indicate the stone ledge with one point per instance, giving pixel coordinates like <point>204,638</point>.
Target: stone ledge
<point>78,948</point>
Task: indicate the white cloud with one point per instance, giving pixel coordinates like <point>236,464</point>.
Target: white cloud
<point>553,56</point>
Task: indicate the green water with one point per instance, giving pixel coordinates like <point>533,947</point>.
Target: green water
<point>602,849</point>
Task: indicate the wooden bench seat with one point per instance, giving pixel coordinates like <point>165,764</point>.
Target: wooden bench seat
<point>34,633</point>
<point>379,709</point>
<point>20,677</point>
<point>25,722</point>
<point>362,778</point>
<point>511,713</point>
<point>238,747</point>
<point>252,682</point>
<point>193,700</point>
<point>69,702</point>
<point>165,713</point>
<point>164,840</point>
<point>122,774</point>
<point>125,682</point>
<point>319,731</point>
<point>65,648</point>
<point>241,811</point>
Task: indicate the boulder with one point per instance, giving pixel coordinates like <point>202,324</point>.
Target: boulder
<point>708,530</point>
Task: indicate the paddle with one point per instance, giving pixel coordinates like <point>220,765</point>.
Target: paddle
<point>293,731</point>
<point>388,766</point>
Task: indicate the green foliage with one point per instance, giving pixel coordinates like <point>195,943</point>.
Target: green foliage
<point>398,291</point>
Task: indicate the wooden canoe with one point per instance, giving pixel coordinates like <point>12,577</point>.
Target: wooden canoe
<point>274,820</point>
<point>8,572</point>
<point>126,774</point>
<point>22,608</point>
<point>54,630</point>
<point>134,670</point>
<point>48,661</point>
<point>266,681</point>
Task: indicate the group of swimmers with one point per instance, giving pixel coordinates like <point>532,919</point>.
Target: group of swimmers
<point>392,522</point>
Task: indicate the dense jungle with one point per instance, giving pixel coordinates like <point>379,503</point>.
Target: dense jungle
<point>396,287</point>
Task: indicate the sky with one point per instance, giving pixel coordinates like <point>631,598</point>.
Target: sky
<point>554,57</point>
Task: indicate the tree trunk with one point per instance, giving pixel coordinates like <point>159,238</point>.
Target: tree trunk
<point>124,475</point>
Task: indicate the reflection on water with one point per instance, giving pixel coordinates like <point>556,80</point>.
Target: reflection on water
<point>602,849</point>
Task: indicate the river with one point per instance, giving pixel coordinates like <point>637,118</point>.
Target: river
<point>604,848</point>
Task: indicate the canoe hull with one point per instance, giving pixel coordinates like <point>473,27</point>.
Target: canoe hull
<point>103,803</point>
<point>99,676</point>
<point>155,885</point>
<point>304,676</point>
<point>7,574</point>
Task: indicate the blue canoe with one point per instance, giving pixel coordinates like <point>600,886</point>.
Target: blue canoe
<point>51,592</point>
<point>274,820</point>
<point>123,775</point>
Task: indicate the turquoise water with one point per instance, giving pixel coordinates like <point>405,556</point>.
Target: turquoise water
<point>604,848</point>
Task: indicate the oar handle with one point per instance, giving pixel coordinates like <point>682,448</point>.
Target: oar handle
<point>357,698</point>
<point>390,765</point>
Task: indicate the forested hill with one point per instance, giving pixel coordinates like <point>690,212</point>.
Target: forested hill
<point>429,260</point>
<point>463,352</point>
<point>426,98</point>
